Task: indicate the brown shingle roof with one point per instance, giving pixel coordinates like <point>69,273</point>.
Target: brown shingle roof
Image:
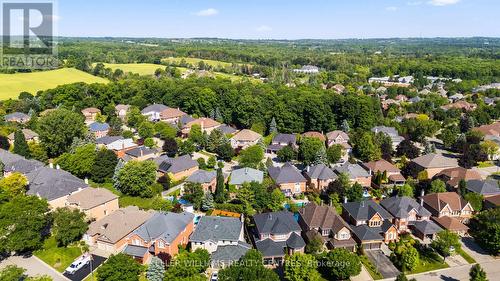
<point>438,201</point>
<point>458,173</point>
<point>489,130</point>
<point>90,110</point>
<point>381,166</point>
<point>89,198</point>
<point>450,223</point>
<point>314,135</point>
<point>246,135</point>
<point>172,113</point>
<point>204,122</point>
<point>495,200</point>
<point>434,160</point>
<point>323,217</point>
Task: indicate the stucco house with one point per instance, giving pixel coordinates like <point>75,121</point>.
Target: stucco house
<point>152,112</point>
<point>207,125</point>
<point>90,114</point>
<point>96,203</point>
<point>122,110</point>
<point>245,138</point>
<point>29,135</point>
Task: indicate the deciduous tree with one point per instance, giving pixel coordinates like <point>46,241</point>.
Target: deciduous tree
<point>58,129</point>
<point>119,267</point>
<point>69,225</point>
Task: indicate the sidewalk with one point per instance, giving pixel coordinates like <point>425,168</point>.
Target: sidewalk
<point>362,276</point>
<point>34,267</point>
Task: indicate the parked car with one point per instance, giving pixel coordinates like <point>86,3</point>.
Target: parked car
<point>215,276</point>
<point>78,263</point>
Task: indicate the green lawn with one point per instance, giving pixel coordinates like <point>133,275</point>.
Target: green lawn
<point>57,257</point>
<point>374,273</point>
<point>195,61</point>
<point>485,164</point>
<point>466,256</point>
<point>428,264</point>
<point>13,84</point>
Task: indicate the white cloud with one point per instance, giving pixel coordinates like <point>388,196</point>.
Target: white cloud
<point>207,13</point>
<point>443,2</point>
<point>264,28</point>
<point>391,9</point>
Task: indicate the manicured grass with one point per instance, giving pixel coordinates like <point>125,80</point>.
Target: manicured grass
<point>11,85</point>
<point>195,61</point>
<point>485,164</point>
<point>138,68</point>
<point>57,257</point>
<point>374,273</point>
<point>428,264</point>
<point>466,256</point>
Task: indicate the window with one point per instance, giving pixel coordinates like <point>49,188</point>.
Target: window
<point>344,236</point>
<point>161,244</point>
<point>136,242</point>
<point>374,223</point>
<point>325,232</point>
<point>297,187</point>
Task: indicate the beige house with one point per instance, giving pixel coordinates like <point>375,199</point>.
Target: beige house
<point>433,164</point>
<point>171,115</point>
<point>448,204</point>
<point>110,233</point>
<point>245,138</point>
<point>90,114</point>
<point>206,124</point>
<point>121,110</point>
<point>29,135</point>
<point>96,203</point>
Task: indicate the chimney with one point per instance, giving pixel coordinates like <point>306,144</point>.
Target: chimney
<point>51,165</point>
<point>422,201</point>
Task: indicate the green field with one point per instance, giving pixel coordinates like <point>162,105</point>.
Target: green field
<point>139,68</point>
<point>13,84</point>
<point>195,61</point>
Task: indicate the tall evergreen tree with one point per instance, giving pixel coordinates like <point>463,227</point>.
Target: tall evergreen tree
<point>345,126</point>
<point>321,157</point>
<point>20,144</point>
<point>118,167</point>
<point>220,193</point>
<point>156,270</point>
<point>476,273</point>
<point>273,129</point>
<point>208,202</point>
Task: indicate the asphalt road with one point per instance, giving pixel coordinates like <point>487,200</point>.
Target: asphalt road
<point>85,271</point>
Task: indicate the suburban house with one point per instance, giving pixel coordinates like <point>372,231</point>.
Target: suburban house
<point>277,234</point>
<point>171,115</point>
<point>17,117</point>
<point>324,222</point>
<point>29,135</point>
<point>410,215</point>
<point>317,135</point>
<point>449,210</point>
<point>16,163</point>
<point>96,203</point>
<point>207,179</point>
<point>102,142</point>
<point>120,145</point>
<point>433,164</point>
<point>490,130</point>
<point>153,111</point>
<point>338,137</point>
<point>213,232</point>
<point>110,233</point>
<point>486,188</point>
<point>245,138</point>
<point>356,173</point>
<point>383,166</point>
<point>338,88</point>
<point>453,176</point>
<point>161,235</point>
<point>176,168</point>
<point>288,178</point>
<point>207,125</point>
<point>122,110</point>
<point>307,69</point>
<point>371,224</point>
<point>319,176</point>
<point>227,130</point>
<point>90,114</point>
<point>99,129</point>
<point>391,132</point>
<point>245,175</point>
<point>491,202</point>
<point>462,105</point>
<point>140,153</point>
<point>281,140</point>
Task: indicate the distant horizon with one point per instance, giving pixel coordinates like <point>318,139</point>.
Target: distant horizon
<point>279,39</point>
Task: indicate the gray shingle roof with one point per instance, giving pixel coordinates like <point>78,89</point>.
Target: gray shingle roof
<point>281,222</point>
<point>217,229</point>
<point>285,139</point>
<point>202,176</point>
<point>365,233</point>
<point>17,115</point>
<point>225,129</point>
<point>400,207</point>
<point>365,210</point>
<point>286,174</point>
<point>16,163</point>
<point>175,165</point>
<point>352,170</point>
<point>295,241</point>
<point>98,127</point>
<point>154,108</point>
<point>270,248</point>
<point>53,183</point>
<point>135,251</point>
<point>164,225</point>
<point>230,253</point>
<point>108,139</point>
<point>484,187</point>
<point>427,227</point>
<point>240,176</point>
<point>141,151</point>
<point>321,171</point>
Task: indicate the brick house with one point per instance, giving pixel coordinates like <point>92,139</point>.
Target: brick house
<point>207,179</point>
<point>96,203</point>
<point>319,176</point>
<point>356,174</point>
<point>288,178</point>
<point>433,164</point>
<point>176,168</point>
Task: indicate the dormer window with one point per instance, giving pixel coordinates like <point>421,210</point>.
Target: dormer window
<point>374,223</point>
<point>325,232</point>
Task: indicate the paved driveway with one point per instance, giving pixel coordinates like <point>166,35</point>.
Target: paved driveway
<point>382,263</point>
<point>86,270</point>
<point>33,267</point>
<point>471,248</point>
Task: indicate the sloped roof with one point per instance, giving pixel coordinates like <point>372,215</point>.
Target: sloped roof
<point>240,176</point>
<point>286,174</point>
<point>202,176</point>
<point>317,135</point>
<point>450,223</point>
<point>91,110</point>
<point>154,108</point>
<point>459,173</point>
<point>323,217</point>
<point>135,251</point>
<point>229,253</point>
<point>16,163</point>
<point>492,129</point>
<point>321,171</point>
<point>427,227</point>
<point>227,130</point>
<point>246,135</point>
<point>178,164</point>
<point>438,201</point>
<point>17,115</point>
<point>365,210</point>
<point>204,122</point>
<point>270,248</point>
<point>53,183</point>
<point>113,227</point>
<point>495,199</point>
<point>434,160</point>
<point>334,134</point>
<point>170,112</point>
<point>89,198</point>
<point>98,126</point>
<point>164,225</point>
<point>353,170</point>
<point>108,139</point>
<point>400,207</point>
<point>365,233</point>
<point>28,134</point>
<point>281,222</point>
<point>120,144</point>
<point>217,229</point>
<point>141,151</point>
<point>381,165</point>
<point>119,107</point>
<point>285,138</point>
<point>483,187</point>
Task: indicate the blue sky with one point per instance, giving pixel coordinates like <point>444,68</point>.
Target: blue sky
<point>279,19</point>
